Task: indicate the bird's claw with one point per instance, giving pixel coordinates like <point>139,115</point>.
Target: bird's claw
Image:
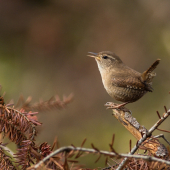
<point>111,105</point>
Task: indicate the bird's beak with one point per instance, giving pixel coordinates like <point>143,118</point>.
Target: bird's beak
<point>94,55</point>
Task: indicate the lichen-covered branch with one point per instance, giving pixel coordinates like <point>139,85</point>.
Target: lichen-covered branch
<point>144,137</point>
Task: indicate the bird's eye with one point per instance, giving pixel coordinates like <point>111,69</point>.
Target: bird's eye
<point>105,57</point>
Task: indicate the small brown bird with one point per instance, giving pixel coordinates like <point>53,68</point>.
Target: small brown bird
<point>120,81</point>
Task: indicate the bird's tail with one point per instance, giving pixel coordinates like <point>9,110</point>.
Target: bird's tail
<point>148,75</point>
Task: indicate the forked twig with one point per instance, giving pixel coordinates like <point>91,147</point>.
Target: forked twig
<point>163,137</point>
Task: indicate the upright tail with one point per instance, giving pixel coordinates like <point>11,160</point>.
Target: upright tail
<point>148,75</point>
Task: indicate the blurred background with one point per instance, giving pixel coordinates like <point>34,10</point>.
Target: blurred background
<point>43,52</point>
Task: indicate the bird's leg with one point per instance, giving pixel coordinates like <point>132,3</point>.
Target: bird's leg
<point>111,105</point>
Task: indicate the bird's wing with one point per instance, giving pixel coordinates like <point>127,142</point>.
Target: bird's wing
<point>132,81</point>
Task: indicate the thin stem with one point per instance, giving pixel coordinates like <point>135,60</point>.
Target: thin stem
<point>106,153</point>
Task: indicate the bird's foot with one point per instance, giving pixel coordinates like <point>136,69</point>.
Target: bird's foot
<point>111,105</point>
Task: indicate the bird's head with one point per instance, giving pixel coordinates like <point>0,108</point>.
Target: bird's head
<point>106,59</point>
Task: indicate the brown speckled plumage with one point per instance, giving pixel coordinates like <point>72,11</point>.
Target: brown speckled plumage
<point>120,81</point>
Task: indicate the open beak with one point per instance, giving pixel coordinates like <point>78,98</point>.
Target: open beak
<point>94,55</point>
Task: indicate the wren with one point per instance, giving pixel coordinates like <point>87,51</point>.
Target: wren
<point>122,82</point>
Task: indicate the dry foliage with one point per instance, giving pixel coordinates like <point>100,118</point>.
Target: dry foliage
<point>19,124</point>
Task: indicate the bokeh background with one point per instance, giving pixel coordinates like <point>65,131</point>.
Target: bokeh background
<point>43,52</point>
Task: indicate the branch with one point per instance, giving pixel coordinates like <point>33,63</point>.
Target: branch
<point>5,159</point>
<point>68,149</point>
<point>160,149</point>
<point>53,103</point>
<point>21,120</point>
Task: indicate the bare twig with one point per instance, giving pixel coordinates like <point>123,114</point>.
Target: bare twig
<point>163,130</point>
<point>106,153</point>
<point>162,136</point>
<point>158,114</point>
<point>5,159</point>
